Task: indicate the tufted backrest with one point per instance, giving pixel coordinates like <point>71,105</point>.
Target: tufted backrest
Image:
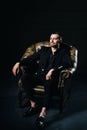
<point>74,58</point>
<point>35,47</point>
<point>40,44</point>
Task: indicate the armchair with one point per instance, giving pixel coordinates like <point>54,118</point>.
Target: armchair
<point>64,77</point>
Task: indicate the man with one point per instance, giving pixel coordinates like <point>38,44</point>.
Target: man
<point>51,60</point>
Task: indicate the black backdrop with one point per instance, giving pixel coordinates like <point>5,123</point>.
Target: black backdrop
<point>32,22</point>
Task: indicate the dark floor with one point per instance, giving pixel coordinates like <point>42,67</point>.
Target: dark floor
<point>74,116</point>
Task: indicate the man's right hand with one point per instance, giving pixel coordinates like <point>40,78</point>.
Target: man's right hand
<point>16,68</point>
<point>49,74</point>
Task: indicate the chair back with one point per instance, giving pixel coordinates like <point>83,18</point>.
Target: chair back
<point>37,46</point>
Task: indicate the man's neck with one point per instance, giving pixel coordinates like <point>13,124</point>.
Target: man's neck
<point>54,49</point>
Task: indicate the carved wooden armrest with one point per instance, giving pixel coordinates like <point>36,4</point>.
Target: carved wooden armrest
<point>64,74</point>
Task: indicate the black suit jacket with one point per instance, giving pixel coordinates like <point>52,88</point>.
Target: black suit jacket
<point>62,59</point>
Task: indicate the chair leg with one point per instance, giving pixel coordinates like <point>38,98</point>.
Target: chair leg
<point>69,94</point>
<point>68,86</point>
<point>20,93</point>
<point>61,106</point>
<point>19,97</point>
<point>64,96</point>
<point>61,102</point>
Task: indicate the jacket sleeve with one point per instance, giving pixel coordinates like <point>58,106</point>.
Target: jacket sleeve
<point>31,59</point>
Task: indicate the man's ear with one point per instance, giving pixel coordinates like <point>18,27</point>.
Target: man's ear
<point>61,39</point>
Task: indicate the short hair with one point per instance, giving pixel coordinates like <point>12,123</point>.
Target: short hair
<point>57,33</point>
<point>61,40</point>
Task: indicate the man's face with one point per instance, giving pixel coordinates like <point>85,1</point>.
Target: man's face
<point>54,40</point>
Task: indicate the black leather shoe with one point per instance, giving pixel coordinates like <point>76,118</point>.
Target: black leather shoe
<point>30,111</point>
<point>40,122</point>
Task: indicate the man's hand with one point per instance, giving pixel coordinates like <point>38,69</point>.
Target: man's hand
<point>15,69</point>
<point>49,74</point>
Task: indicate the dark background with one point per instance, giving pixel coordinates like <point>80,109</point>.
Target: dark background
<point>30,22</point>
<point>24,23</point>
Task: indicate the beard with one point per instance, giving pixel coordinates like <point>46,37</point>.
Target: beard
<point>54,46</point>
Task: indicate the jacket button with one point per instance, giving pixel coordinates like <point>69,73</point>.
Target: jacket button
<point>42,69</point>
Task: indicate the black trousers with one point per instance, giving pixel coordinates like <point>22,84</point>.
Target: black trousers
<point>30,80</point>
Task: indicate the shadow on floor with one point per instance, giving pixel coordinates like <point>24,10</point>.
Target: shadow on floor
<point>73,118</point>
